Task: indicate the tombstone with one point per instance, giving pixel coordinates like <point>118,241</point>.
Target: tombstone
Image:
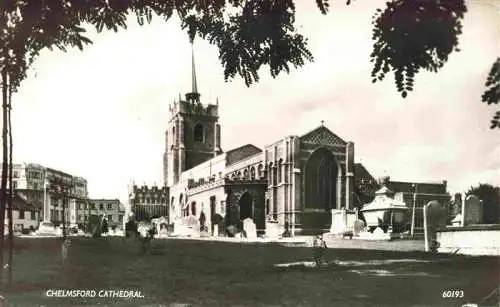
<point>378,233</point>
<point>231,231</point>
<point>473,210</point>
<point>163,233</point>
<point>456,205</point>
<point>249,228</point>
<point>342,220</point>
<point>457,221</point>
<point>272,230</point>
<point>215,233</point>
<point>435,216</point>
<point>359,226</point>
<point>193,226</point>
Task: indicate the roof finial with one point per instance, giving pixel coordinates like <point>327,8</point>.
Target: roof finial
<point>193,71</point>
<point>322,123</point>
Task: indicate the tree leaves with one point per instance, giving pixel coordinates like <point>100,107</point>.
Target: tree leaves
<point>323,5</point>
<point>249,34</point>
<point>414,35</point>
<point>261,33</point>
<point>492,92</point>
<point>408,35</point>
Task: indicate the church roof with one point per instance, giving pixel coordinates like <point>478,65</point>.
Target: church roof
<point>240,153</point>
<point>322,135</point>
<point>422,187</point>
<point>362,176</point>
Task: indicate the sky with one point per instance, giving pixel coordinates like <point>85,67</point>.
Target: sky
<point>101,113</point>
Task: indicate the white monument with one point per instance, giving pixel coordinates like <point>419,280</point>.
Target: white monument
<point>343,221</point>
<point>249,228</point>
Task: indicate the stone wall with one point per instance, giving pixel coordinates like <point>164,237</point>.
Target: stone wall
<point>470,240</point>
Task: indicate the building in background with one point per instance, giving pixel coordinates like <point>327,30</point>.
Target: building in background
<point>148,202</point>
<point>25,215</point>
<point>31,182</point>
<point>111,209</point>
<point>416,195</point>
<point>365,186</point>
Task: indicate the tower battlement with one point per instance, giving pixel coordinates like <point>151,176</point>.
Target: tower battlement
<point>193,108</point>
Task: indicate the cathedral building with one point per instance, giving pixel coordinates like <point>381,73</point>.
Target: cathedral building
<point>289,186</point>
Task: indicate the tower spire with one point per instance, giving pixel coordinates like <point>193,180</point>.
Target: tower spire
<point>193,71</point>
<point>193,96</point>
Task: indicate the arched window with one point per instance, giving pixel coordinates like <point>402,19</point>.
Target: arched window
<point>193,208</point>
<point>270,174</point>
<point>260,171</point>
<point>245,174</point>
<point>252,173</point>
<point>280,171</point>
<point>173,133</point>
<point>198,133</point>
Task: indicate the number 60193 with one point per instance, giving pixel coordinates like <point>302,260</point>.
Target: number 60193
<point>453,293</point>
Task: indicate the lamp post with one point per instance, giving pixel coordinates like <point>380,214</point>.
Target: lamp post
<point>412,231</point>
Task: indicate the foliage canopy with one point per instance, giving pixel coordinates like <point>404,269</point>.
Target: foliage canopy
<point>409,35</point>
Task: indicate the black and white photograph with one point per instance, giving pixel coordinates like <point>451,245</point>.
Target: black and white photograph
<point>250,153</point>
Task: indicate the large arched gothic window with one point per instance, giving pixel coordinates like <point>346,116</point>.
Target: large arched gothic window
<point>198,133</point>
<point>321,180</point>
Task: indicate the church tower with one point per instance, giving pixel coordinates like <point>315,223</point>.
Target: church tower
<point>193,133</point>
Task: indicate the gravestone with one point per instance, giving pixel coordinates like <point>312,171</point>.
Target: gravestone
<point>359,226</point>
<point>163,233</point>
<point>193,226</point>
<point>436,217</point>
<point>249,228</point>
<point>342,220</point>
<point>473,210</point>
<point>456,205</point>
<point>378,233</point>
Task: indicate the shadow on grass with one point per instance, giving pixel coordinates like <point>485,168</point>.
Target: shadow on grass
<point>227,274</point>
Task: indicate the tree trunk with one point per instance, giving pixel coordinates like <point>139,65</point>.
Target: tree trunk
<point>3,184</point>
<point>64,215</point>
<point>11,189</point>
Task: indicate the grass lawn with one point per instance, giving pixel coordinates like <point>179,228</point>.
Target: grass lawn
<point>228,274</point>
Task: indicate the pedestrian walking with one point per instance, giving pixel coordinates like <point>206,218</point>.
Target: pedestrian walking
<point>65,250</point>
<point>319,246</point>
